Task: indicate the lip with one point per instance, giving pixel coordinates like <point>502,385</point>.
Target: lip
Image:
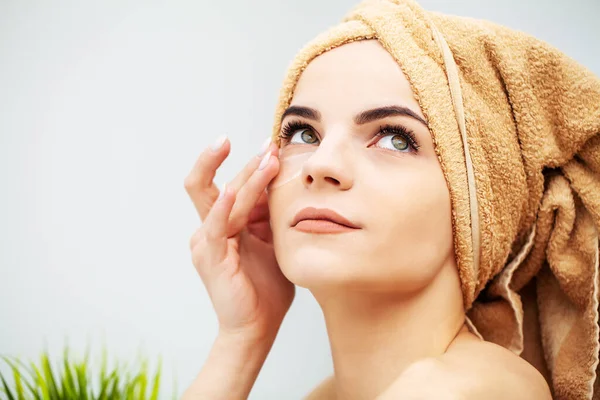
<point>322,220</point>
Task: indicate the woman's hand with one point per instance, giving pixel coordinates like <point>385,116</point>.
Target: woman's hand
<point>233,254</point>
<point>233,250</point>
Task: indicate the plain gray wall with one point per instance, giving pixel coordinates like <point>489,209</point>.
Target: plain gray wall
<point>104,107</point>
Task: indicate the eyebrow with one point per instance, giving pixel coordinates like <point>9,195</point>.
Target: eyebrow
<point>383,112</point>
<point>306,112</point>
<point>360,119</point>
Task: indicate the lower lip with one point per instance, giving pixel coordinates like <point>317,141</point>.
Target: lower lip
<point>321,226</point>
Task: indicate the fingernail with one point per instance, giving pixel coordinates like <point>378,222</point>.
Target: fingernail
<point>218,143</point>
<point>222,194</point>
<point>264,147</point>
<point>264,161</point>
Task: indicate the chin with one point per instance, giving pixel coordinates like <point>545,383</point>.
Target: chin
<point>323,269</point>
<point>314,266</point>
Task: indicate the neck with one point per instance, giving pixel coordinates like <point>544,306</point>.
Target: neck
<point>375,337</point>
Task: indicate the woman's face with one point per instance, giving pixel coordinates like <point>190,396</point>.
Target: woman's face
<point>349,148</point>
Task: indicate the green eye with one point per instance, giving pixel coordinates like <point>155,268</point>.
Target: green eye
<point>399,142</point>
<point>306,137</point>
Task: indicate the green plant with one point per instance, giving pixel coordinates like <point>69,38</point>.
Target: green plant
<point>76,380</point>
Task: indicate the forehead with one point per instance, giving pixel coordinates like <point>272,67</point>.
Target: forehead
<point>354,77</point>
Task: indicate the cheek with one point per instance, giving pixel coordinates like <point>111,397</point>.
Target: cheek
<point>286,250</point>
<point>412,227</point>
<point>413,200</point>
<point>279,211</point>
<point>276,201</point>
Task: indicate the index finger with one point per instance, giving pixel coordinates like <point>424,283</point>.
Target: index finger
<point>199,183</point>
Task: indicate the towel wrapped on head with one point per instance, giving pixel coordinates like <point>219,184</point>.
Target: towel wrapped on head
<point>516,127</point>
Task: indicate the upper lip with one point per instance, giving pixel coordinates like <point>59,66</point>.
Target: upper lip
<point>324,214</point>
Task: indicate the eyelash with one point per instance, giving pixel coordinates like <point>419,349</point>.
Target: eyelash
<point>288,130</point>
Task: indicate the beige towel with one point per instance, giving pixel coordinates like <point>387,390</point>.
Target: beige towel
<point>516,126</point>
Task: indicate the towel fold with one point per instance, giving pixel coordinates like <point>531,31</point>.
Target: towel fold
<point>516,127</point>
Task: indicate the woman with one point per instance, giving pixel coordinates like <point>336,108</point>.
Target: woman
<point>416,242</point>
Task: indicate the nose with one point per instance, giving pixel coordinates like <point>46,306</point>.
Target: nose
<point>329,167</point>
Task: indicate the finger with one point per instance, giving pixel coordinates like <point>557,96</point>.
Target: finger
<point>243,176</point>
<point>196,238</point>
<point>249,195</point>
<point>216,225</point>
<point>260,212</point>
<point>199,183</point>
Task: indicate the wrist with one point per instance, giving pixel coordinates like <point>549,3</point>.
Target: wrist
<point>232,367</point>
<point>248,337</point>
<point>247,346</point>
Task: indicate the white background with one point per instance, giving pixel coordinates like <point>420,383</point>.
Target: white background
<point>104,107</point>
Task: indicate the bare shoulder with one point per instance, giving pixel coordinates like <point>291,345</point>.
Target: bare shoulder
<point>470,369</point>
<point>323,391</point>
<point>493,369</point>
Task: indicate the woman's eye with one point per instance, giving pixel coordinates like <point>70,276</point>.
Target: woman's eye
<point>394,142</point>
<point>306,136</point>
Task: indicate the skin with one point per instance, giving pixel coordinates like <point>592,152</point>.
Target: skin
<point>389,290</point>
<point>392,297</point>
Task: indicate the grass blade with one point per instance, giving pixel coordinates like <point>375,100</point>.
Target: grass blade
<point>156,381</point>
<point>114,390</point>
<point>143,383</point>
<point>23,367</point>
<point>103,365</point>
<point>81,372</point>
<point>18,383</point>
<point>39,381</point>
<point>69,389</point>
<point>130,389</point>
<point>49,377</point>
<point>7,389</point>
<point>104,386</point>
